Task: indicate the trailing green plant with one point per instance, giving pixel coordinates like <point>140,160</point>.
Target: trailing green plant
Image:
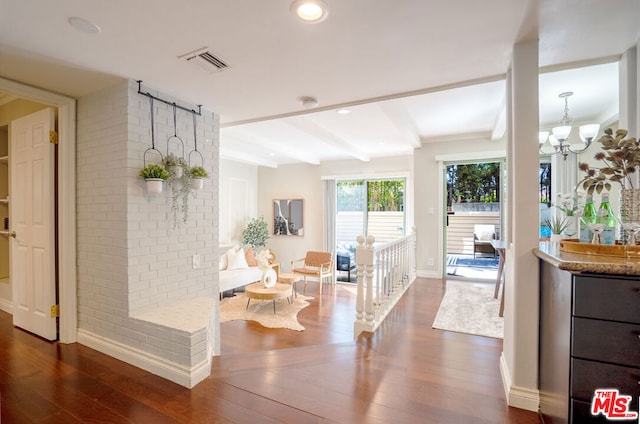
<point>180,186</point>
<point>256,234</point>
<point>198,172</point>
<point>154,170</point>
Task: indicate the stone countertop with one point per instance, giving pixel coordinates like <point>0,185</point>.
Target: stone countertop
<point>586,263</point>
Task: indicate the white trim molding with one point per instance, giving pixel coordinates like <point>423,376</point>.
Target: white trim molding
<point>518,397</point>
<point>180,374</point>
<point>66,199</point>
<point>428,274</point>
<point>6,306</point>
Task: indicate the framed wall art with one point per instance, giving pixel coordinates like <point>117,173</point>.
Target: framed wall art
<point>287,217</point>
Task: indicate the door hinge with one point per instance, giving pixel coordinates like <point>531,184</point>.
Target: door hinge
<point>53,137</point>
<point>55,311</point>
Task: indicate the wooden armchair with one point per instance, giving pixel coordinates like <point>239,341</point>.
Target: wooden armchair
<point>317,265</point>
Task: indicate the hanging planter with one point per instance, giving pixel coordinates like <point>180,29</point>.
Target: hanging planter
<point>154,174</point>
<point>197,174</point>
<point>197,184</point>
<point>175,165</point>
<point>154,185</point>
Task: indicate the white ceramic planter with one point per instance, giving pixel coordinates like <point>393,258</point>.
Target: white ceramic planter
<point>556,237</point>
<point>197,183</point>
<point>176,171</point>
<point>154,185</point>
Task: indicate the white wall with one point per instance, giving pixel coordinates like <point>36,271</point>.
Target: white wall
<point>238,199</point>
<point>303,181</point>
<point>429,192</point>
<point>130,257</point>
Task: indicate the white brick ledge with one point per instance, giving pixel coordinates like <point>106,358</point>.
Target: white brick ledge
<point>190,315</point>
<point>186,325</point>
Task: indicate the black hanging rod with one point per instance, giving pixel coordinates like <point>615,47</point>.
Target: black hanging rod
<point>198,112</point>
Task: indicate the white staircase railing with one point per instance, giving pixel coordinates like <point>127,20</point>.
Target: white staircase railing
<point>384,274</point>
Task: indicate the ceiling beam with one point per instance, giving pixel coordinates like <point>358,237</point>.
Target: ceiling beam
<point>319,132</point>
<point>500,125</point>
<point>278,149</point>
<point>401,119</point>
<point>238,156</point>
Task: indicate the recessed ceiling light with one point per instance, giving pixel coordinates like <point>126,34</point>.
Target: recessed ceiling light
<point>344,111</point>
<point>84,25</point>
<point>310,11</point>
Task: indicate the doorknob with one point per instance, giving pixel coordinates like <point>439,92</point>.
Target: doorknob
<point>12,234</point>
<point>7,233</point>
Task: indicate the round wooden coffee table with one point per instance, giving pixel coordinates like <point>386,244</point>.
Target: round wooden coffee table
<point>290,279</point>
<point>260,292</point>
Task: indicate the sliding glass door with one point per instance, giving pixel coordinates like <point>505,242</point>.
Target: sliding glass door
<point>373,207</point>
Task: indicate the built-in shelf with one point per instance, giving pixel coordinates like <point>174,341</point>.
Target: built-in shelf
<point>4,159</point>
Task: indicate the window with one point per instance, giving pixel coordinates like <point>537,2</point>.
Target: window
<point>373,207</point>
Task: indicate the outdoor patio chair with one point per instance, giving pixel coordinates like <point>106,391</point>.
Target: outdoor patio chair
<point>482,236</point>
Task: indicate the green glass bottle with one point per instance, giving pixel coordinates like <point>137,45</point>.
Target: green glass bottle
<point>607,217</point>
<point>589,216</point>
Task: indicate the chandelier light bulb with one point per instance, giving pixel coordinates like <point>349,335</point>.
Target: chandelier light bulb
<point>542,137</point>
<point>561,133</point>
<point>589,132</point>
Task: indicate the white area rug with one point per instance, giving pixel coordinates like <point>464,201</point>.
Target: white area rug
<point>286,316</point>
<point>470,308</point>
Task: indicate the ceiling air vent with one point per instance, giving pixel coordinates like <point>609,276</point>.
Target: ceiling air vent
<point>205,60</point>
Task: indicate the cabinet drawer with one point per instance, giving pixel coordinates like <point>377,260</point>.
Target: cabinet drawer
<point>615,299</point>
<point>586,376</point>
<point>613,342</point>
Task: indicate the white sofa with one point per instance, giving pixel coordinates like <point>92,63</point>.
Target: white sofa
<point>237,268</point>
<point>233,278</point>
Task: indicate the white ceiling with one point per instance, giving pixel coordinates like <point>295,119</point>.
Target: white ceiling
<point>411,71</point>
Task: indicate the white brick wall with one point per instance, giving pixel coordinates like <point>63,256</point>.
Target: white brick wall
<point>130,258</point>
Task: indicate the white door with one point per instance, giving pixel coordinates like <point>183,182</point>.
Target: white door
<point>31,211</point>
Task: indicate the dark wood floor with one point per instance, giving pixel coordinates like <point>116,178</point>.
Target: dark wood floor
<point>406,373</point>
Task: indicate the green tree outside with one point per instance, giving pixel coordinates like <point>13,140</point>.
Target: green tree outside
<point>382,195</point>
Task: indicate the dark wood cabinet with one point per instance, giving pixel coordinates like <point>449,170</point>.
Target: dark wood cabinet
<point>589,339</point>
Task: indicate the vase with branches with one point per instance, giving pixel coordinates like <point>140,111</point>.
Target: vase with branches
<point>620,158</point>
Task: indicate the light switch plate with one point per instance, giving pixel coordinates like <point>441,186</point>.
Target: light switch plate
<point>195,260</point>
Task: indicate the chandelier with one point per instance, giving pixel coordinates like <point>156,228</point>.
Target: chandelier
<point>560,134</point>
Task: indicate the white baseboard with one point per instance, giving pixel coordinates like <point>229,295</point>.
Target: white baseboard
<point>428,274</point>
<point>180,374</point>
<point>518,397</point>
<point>6,306</point>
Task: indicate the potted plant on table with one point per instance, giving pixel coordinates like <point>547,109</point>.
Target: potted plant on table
<point>557,225</point>
<point>197,174</point>
<point>154,174</point>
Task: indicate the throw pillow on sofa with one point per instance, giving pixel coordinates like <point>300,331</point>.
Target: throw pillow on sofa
<point>250,256</point>
<point>222,262</point>
<point>236,259</point>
